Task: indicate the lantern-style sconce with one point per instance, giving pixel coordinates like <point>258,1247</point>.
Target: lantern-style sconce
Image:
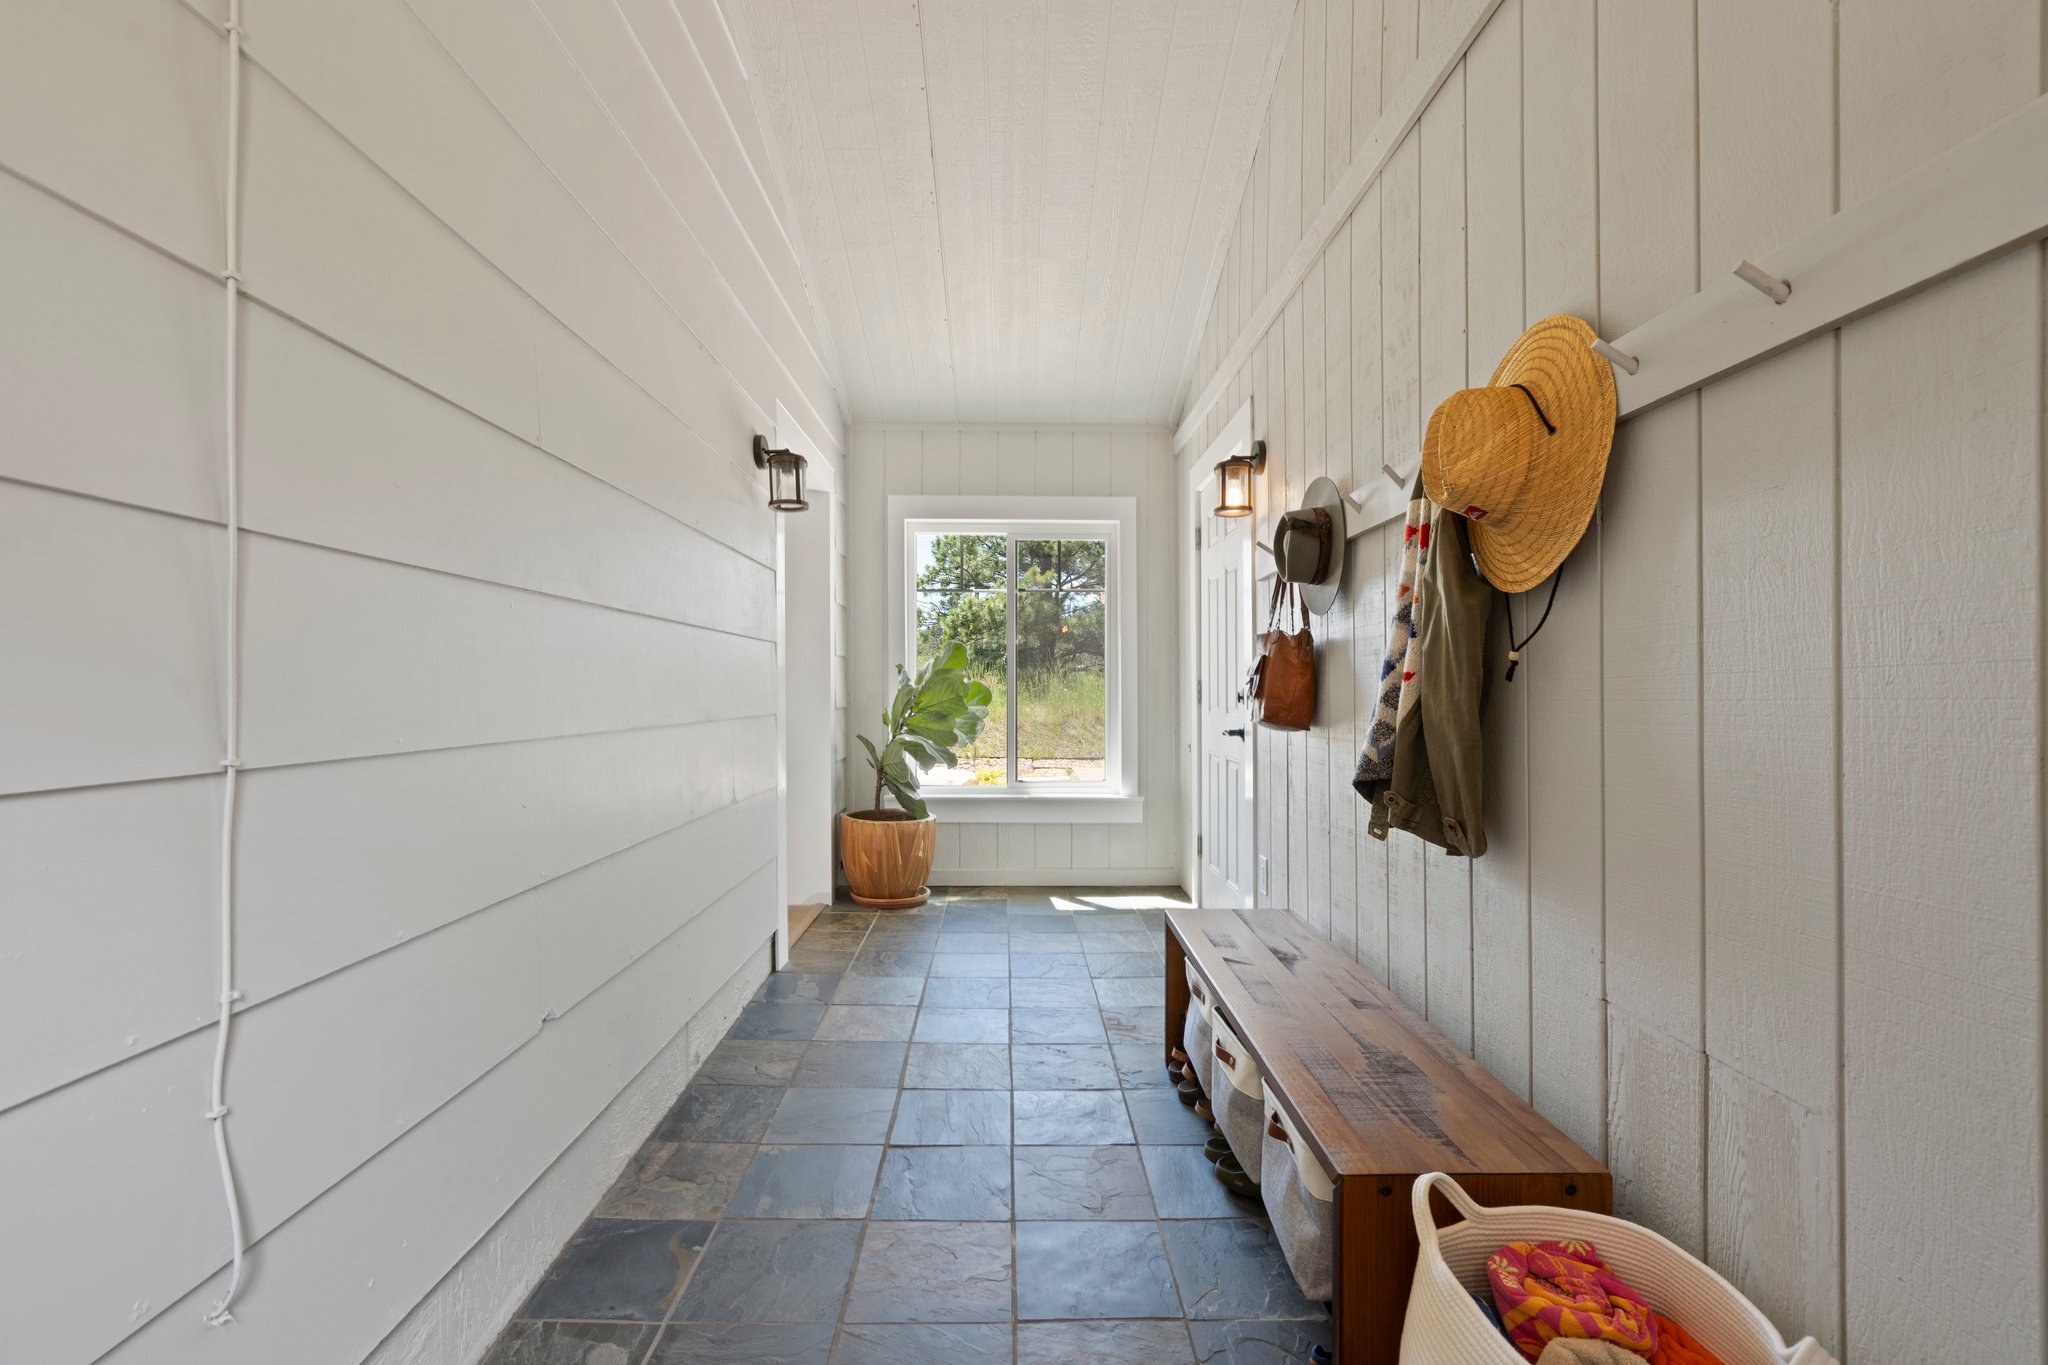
<point>785,476</point>
<point>1234,481</point>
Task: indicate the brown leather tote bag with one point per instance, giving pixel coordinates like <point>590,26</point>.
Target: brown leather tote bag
<point>1284,675</point>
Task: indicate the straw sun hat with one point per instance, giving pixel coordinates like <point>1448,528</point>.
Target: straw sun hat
<point>1523,458</point>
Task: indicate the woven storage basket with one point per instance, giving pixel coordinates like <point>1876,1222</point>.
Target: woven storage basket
<point>1239,1099</point>
<point>1445,1327</point>
<point>1198,1036</point>
<point>1302,1202</point>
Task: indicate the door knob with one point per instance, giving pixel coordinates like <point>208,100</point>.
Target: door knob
<point>1238,731</point>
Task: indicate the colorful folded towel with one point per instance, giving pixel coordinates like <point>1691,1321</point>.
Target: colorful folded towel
<point>1563,1289</point>
<point>1675,1346</point>
<point>1580,1351</point>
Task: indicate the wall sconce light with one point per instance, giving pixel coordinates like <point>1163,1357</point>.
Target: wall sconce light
<point>785,476</point>
<point>1234,481</point>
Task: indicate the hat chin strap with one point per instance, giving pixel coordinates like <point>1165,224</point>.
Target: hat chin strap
<point>1548,425</point>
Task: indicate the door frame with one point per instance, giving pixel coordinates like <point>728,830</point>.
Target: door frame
<point>810,604</point>
<point>1234,439</point>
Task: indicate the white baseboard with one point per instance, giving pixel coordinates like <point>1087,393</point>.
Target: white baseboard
<point>461,1316</point>
<point>1056,876</point>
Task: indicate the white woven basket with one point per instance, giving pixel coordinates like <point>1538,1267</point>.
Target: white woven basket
<point>1445,1327</point>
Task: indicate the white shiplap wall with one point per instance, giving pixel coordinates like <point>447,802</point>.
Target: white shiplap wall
<point>1761,918</point>
<point>516,301</point>
<point>1080,461</point>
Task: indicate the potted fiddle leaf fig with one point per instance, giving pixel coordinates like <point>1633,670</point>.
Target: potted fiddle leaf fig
<point>939,710</point>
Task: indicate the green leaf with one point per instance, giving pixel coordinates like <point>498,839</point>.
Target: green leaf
<point>874,759</point>
<point>923,750</point>
<point>912,804</point>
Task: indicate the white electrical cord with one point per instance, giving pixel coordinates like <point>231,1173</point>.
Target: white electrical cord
<point>231,763</point>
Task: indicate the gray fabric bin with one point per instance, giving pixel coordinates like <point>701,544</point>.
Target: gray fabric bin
<point>1239,1099</point>
<point>1198,1034</point>
<point>1302,1202</point>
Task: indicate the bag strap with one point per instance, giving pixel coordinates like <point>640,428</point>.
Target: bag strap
<point>1273,607</point>
<point>1425,1221</point>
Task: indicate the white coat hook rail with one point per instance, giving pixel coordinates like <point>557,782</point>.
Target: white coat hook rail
<point>1616,357</point>
<point>1749,272</point>
<point>1764,282</point>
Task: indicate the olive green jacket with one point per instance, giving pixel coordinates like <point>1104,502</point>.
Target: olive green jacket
<point>1438,786</point>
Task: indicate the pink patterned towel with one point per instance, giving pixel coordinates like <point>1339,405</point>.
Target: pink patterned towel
<point>1563,1289</point>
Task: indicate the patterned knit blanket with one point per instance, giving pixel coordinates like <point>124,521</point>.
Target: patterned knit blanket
<point>1397,671</point>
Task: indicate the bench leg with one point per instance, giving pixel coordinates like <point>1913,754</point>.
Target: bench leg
<point>1375,1264</point>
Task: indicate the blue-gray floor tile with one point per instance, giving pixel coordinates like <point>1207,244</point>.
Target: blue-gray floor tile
<point>944,1183</point>
<point>867,1023</point>
<point>924,1343</point>
<point>962,1026</point>
<point>1062,1066</point>
<point>1093,1270</point>
<point>772,1272</point>
<point>968,992</point>
<point>1071,1118</point>
<point>832,1114</point>
<point>1234,1268</point>
<point>1073,1183</point>
<point>1259,1343</point>
<point>1109,1342</point>
<point>798,987</point>
<point>1034,1024</point>
<point>742,1343</point>
<point>952,1118</point>
<point>771,1019</point>
<point>720,1113</point>
<point>619,1269</point>
<point>807,1182</point>
<point>879,990</point>
<point>572,1343</point>
<point>1184,1185</point>
<point>958,1066</point>
<point>932,1272</point>
<point>870,1065</point>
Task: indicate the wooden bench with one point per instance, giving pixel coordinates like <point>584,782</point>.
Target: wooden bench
<point>1376,1093</point>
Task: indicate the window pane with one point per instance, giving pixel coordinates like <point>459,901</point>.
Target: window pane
<point>975,621</point>
<point>956,561</point>
<point>1062,702</point>
<point>1061,565</point>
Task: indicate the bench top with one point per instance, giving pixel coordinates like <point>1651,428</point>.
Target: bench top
<point>1371,1085</point>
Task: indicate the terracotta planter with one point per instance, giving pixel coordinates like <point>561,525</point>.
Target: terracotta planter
<point>887,856</point>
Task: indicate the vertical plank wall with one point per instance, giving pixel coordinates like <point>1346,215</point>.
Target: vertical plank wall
<point>515,304</point>
<point>1082,461</point>
<point>1760,922</point>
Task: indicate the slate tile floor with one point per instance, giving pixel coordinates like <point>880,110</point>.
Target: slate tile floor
<point>938,1137</point>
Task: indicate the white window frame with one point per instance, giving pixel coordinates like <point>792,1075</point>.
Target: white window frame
<point>1114,800</point>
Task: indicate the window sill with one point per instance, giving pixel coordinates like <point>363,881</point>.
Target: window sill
<point>1063,808</point>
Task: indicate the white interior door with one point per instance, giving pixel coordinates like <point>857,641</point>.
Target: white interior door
<point>1224,758</point>
<point>805,648</point>
<point>808,716</point>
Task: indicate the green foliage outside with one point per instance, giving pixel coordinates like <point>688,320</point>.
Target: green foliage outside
<point>1062,613</point>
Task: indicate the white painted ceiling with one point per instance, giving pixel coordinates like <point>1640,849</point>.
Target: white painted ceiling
<point>1012,210</point>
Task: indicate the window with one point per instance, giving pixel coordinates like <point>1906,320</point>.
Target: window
<point>1036,599</point>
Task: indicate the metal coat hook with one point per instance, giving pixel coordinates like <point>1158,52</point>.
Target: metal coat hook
<point>1765,283</point>
<point>1617,358</point>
